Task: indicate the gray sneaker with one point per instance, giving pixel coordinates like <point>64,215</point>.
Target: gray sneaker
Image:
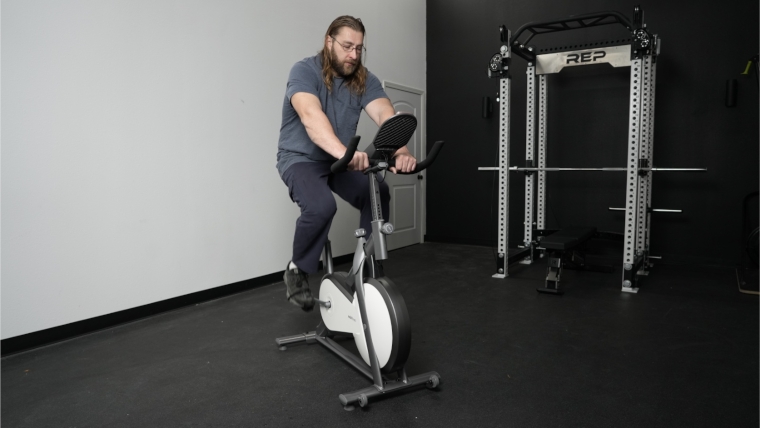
<point>297,288</point>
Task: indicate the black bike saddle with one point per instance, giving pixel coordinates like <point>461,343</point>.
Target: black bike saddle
<point>393,134</point>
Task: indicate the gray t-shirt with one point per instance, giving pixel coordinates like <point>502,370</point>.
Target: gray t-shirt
<point>340,106</point>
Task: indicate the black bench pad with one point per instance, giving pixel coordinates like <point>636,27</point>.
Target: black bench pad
<point>567,239</point>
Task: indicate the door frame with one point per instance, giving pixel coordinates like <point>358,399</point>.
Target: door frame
<point>423,149</point>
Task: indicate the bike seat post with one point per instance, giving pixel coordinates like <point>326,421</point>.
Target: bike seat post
<point>381,250</point>
<point>327,260</point>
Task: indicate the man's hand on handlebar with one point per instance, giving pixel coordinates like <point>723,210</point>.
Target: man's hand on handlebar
<point>405,162</point>
<point>359,162</point>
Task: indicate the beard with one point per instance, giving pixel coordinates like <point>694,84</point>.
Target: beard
<point>344,69</point>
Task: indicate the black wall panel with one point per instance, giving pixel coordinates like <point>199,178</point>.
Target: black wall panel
<point>703,45</point>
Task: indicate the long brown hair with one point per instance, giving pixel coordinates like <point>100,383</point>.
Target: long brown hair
<point>357,81</point>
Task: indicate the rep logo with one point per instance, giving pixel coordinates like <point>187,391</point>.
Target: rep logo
<point>585,57</point>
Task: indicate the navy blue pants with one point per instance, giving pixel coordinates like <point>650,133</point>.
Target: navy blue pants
<point>311,185</point>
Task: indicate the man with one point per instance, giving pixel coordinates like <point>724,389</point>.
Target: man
<point>323,100</point>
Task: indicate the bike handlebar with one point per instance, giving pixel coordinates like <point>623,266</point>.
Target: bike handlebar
<point>425,163</point>
<point>341,164</point>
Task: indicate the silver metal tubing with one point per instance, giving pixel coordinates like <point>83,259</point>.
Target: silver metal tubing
<point>657,210</point>
<point>374,363</point>
<point>347,356</point>
<point>325,303</point>
<point>377,240</point>
<point>389,387</point>
<point>297,338</point>
<point>327,260</point>
<point>374,194</point>
<point>530,142</point>
<point>614,169</point>
<point>676,169</point>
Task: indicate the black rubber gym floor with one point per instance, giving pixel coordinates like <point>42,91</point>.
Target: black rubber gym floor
<point>681,352</point>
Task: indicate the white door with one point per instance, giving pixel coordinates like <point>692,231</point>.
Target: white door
<point>406,207</point>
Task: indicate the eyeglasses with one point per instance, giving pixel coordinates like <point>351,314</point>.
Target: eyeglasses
<point>347,48</point>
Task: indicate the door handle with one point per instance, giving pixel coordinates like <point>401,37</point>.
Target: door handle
<point>419,177</point>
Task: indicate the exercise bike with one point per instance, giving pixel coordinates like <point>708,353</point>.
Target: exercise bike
<point>363,302</point>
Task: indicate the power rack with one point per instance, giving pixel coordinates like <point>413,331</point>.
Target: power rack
<point>640,53</point>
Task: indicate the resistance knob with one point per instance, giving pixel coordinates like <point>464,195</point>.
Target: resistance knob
<point>387,229</point>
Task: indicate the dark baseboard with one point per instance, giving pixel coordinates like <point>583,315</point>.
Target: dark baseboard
<point>52,335</point>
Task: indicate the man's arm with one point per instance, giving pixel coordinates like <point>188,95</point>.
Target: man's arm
<point>379,111</point>
<point>320,130</point>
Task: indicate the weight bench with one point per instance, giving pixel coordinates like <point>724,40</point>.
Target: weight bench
<point>562,249</point>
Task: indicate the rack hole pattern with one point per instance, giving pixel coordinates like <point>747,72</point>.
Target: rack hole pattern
<point>529,148</point>
<point>587,45</point>
<point>503,172</point>
<point>542,108</point>
<point>650,136</point>
<point>644,188</point>
<point>633,158</point>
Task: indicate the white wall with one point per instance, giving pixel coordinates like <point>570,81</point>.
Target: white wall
<point>139,141</point>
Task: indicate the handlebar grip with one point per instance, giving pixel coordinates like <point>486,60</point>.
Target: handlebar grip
<point>425,163</point>
<point>341,164</point>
